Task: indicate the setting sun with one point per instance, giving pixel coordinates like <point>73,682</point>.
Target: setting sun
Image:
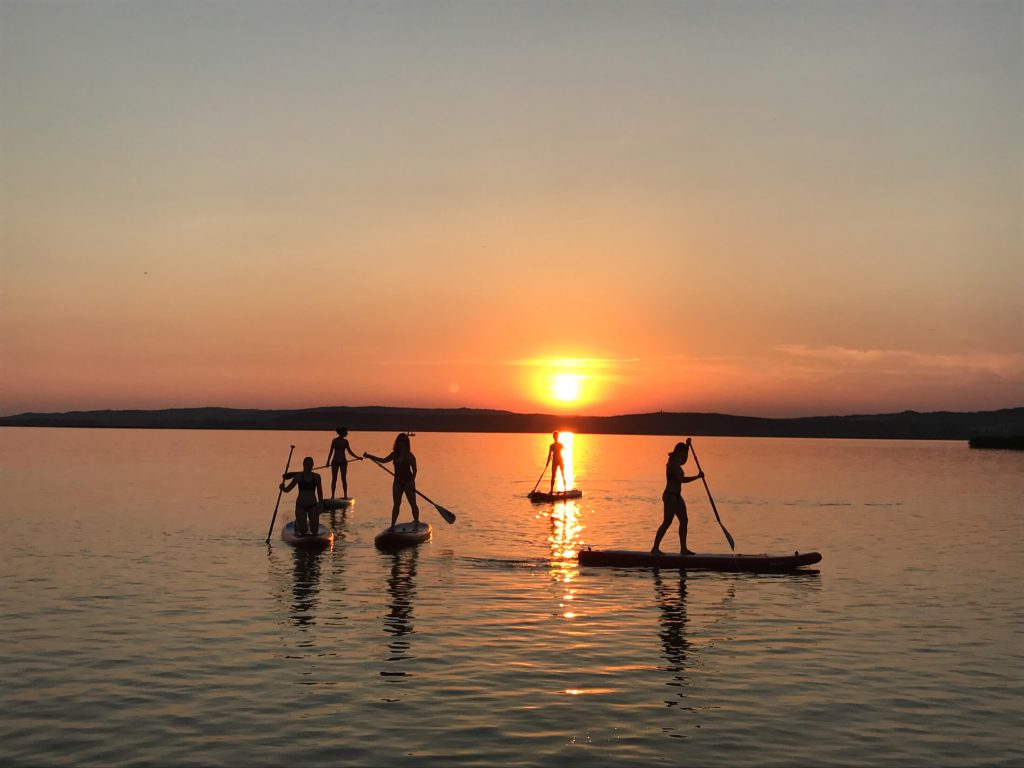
<point>565,381</point>
<point>566,387</point>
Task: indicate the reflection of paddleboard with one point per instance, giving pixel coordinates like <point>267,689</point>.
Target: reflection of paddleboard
<point>539,497</point>
<point>624,558</point>
<point>338,503</point>
<point>322,538</point>
<point>404,535</point>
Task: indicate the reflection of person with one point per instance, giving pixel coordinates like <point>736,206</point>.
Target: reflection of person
<point>672,602</point>
<point>338,461</point>
<point>398,621</point>
<point>672,497</point>
<point>556,460</point>
<point>405,476</point>
<point>309,500</point>
<point>305,585</point>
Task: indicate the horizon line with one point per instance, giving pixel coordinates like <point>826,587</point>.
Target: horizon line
<point>506,411</point>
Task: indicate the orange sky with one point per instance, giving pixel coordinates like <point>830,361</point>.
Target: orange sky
<point>758,208</point>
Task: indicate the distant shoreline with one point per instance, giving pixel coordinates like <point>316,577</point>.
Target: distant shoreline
<point>906,425</point>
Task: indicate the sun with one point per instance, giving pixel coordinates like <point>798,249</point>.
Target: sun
<point>563,382</point>
<point>565,387</point>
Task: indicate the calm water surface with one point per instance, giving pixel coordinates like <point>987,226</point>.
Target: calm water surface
<point>146,622</point>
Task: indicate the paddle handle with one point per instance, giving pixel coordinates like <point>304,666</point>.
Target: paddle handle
<point>714,509</point>
<point>279,494</point>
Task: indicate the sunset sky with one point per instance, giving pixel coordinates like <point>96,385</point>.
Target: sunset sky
<point>762,208</point>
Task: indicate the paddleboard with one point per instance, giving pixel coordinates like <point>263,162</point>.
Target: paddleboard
<point>625,558</point>
<point>403,535</point>
<point>539,497</point>
<point>330,504</point>
<point>322,538</point>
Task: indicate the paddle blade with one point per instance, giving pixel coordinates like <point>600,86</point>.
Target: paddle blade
<point>728,537</point>
<point>448,516</point>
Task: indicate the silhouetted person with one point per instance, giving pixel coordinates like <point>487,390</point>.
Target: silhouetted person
<point>557,462</point>
<point>338,461</point>
<point>405,476</point>
<point>309,500</point>
<point>672,497</point>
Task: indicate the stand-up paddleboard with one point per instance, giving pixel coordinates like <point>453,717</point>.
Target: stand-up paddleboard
<point>344,503</point>
<point>321,538</point>
<point>539,497</point>
<point>403,535</point>
<point>625,558</point>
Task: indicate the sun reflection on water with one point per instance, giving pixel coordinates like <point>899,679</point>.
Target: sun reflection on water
<point>564,542</point>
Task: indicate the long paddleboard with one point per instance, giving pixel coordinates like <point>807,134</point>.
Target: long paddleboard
<point>344,503</point>
<point>539,497</point>
<point>403,535</point>
<point>626,558</point>
<point>321,538</point>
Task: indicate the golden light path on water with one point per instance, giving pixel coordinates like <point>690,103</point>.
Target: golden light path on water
<point>564,541</point>
<point>565,531</point>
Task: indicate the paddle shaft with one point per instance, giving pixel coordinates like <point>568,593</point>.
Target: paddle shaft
<point>712,500</point>
<point>280,493</point>
<point>541,474</point>
<point>446,514</point>
<point>328,466</point>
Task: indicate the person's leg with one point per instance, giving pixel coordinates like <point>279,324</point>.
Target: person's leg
<point>313,519</point>
<point>410,493</point>
<point>300,519</point>
<point>334,478</point>
<point>683,523</point>
<point>344,481</point>
<point>554,469</point>
<point>396,496</point>
<point>665,523</point>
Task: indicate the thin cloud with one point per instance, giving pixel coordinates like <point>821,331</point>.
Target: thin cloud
<point>901,360</point>
<point>571,362</point>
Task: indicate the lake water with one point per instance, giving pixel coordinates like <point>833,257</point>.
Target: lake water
<point>146,622</point>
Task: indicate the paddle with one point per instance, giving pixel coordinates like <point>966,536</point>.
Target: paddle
<point>448,516</point>
<point>713,507</point>
<point>279,494</point>
<point>328,466</point>
<point>541,475</point>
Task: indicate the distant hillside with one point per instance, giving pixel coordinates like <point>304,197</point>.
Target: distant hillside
<point>909,425</point>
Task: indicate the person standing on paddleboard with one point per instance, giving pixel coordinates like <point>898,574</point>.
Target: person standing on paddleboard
<point>309,500</point>
<point>338,461</point>
<point>672,497</point>
<point>405,477</point>
<point>557,462</point>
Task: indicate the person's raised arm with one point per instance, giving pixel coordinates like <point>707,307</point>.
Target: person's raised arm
<point>691,478</point>
<point>293,476</point>
<point>378,459</point>
<point>349,449</point>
